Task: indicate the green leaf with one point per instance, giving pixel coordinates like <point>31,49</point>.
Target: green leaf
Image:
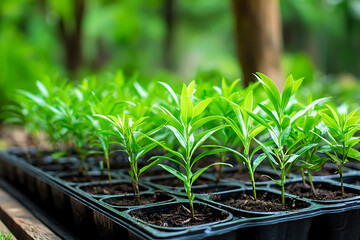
<point>258,160</point>
<point>58,155</point>
<point>200,107</point>
<point>42,89</point>
<point>329,122</point>
<point>296,85</point>
<point>205,136</point>
<point>269,113</point>
<point>353,141</point>
<point>230,150</point>
<point>275,181</point>
<point>258,119</point>
<point>267,151</point>
<point>270,89</point>
<point>284,136</point>
<point>166,157</point>
<point>334,113</point>
<point>274,138</point>
<point>236,129</point>
<point>191,88</point>
<point>174,172</point>
<point>255,131</point>
<point>143,169</point>
<point>172,93</point>
<point>186,106</point>
<point>354,154</point>
<point>166,148</point>
<point>140,90</point>
<point>178,136</point>
<point>287,92</point>
<point>199,172</point>
<point>207,153</point>
<point>307,108</point>
<point>203,121</point>
<point>170,118</point>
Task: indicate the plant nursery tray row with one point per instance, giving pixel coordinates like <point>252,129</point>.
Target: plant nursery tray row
<point>94,215</point>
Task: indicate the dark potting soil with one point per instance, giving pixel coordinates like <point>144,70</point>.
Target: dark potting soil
<point>213,189</point>
<point>245,176</point>
<point>175,182</point>
<point>83,179</point>
<point>144,199</point>
<point>150,173</point>
<point>326,171</point>
<point>266,202</point>
<point>179,216</point>
<point>323,191</point>
<point>117,188</point>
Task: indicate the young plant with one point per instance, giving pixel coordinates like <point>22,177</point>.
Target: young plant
<point>107,105</point>
<point>245,129</point>
<point>133,142</point>
<point>219,107</point>
<point>280,126</point>
<point>35,111</point>
<point>305,129</point>
<point>183,125</point>
<point>341,133</point>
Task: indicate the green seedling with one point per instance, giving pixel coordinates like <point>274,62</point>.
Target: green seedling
<point>305,129</point>
<point>134,143</point>
<point>341,137</point>
<point>245,129</point>
<point>219,107</point>
<point>183,126</point>
<point>280,125</point>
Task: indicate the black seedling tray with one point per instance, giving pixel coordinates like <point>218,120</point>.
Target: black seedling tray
<point>92,217</point>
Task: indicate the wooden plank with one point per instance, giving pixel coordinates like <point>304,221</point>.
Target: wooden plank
<point>20,221</point>
<point>5,231</point>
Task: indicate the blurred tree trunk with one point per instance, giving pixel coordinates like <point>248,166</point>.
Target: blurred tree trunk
<point>169,20</point>
<point>102,54</point>
<point>259,38</point>
<point>72,37</point>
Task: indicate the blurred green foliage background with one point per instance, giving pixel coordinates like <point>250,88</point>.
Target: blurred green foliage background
<point>321,40</point>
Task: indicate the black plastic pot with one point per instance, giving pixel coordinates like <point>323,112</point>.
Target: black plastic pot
<point>216,199</point>
<point>102,177</point>
<point>161,197</point>
<point>101,221</point>
<point>261,170</point>
<point>353,179</point>
<point>340,223</point>
<point>83,219</point>
<point>158,182</point>
<point>80,187</point>
<point>212,188</point>
<point>353,165</point>
<point>167,206</point>
<point>333,171</point>
<point>326,183</point>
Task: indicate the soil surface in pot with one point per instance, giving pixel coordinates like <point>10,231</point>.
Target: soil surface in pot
<point>115,188</point>
<point>179,216</point>
<point>245,176</point>
<point>83,179</point>
<point>324,171</point>
<point>144,199</point>
<point>175,182</point>
<point>150,173</point>
<point>266,202</point>
<point>212,189</point>
<point>323,191</point>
